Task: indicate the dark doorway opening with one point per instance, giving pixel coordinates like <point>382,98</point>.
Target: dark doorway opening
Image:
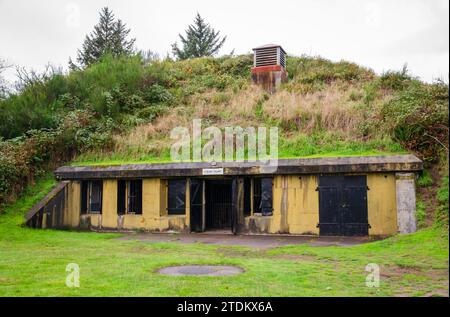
<point>218,204</point>
<point>343,206</point>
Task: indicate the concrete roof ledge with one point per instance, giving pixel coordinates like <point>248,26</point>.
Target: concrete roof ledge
<point>349,164</point>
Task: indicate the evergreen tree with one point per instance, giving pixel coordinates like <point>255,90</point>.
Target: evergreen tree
<point>200,40</point>
<point>109,36</point>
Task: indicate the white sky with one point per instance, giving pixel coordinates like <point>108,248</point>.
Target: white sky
<point>380,34</point>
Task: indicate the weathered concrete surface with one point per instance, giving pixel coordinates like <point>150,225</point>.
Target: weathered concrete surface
<point>269,78</point>
<point>406,202</point>
<point>256,241</point>
<point>51,211</point>
<point>44,201</point>
<point>354,164</point>
<point>205,270</point>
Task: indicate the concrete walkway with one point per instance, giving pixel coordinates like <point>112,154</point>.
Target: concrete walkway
<point>257,241</point>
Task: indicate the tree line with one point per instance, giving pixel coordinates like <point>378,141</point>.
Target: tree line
<point>111,36</point>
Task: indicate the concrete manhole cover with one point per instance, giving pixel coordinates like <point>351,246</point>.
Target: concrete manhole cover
<point>206,270</point>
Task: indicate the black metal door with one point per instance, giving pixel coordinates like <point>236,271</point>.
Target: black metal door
<point>196,199</point>
<point>218,204</point>
<point>329,215</point>
<point>343,206</point>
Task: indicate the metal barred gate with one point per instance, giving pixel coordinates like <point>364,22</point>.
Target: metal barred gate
<point>218,204</point>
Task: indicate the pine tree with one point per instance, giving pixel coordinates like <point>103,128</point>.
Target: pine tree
<point>120,44</point>
<point>200,40</point>
<point>108,36</point>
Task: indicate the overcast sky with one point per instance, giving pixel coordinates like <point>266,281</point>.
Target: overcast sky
<point>380,34</point>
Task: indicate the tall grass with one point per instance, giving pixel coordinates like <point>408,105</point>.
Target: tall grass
<point>326,122</point>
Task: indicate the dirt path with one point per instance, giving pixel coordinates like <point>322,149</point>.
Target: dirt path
<point>257,241</point>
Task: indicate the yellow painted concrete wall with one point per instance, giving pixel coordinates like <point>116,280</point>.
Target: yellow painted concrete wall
<point>269,224</point>
<point>298,213</point>
<point>303,200</point>
<point>72,219</point>
<point>163,196</point>
<point>154,212</point>
<point>154,209</point>
<point>277,194</point>
<point>95,220</point>
<point>382,205</point>
<point>301,207</point>
<point>151,199</point>
<point>187,219</point>
<point>109,204</point>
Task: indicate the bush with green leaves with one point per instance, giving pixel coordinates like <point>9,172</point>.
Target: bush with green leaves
<point>23,158</point>
<point>313,73</point>
<point>425,179</point>
<point>418,117</point>
<point>116,87</point>
<point>442,212</point>
<point>395,80</point>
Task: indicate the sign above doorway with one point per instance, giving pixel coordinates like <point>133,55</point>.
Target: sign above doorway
<point>212,171</point>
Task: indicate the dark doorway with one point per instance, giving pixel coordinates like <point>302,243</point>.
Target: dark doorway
<point>218,204</point>
<point>343,206</point>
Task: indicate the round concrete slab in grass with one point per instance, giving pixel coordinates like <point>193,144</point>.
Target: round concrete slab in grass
<point>204,270</point>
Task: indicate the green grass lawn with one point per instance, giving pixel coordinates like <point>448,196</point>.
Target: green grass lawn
<point>33,263</point>
<point>300,146</point>
<point>117,160</point>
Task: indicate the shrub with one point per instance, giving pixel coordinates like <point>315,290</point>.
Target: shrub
<point>425,179</point>
<point>157,94</point>
<point>238,66</point>
<point>420,213</point>
<point>317,71</point>
<point>418,118</point>
<point>442,212</point>
<point>395,80</point>
<point>149,113</point>
<point>24,157</point>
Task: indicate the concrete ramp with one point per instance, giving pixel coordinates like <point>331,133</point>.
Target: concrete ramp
<point>49,212</point>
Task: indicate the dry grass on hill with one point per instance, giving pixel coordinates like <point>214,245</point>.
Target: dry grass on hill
<point>337,110</point>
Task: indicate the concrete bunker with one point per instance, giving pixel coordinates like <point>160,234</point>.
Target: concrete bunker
<point>346,196</point>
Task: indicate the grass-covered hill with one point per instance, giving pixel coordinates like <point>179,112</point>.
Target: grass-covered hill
<point>122,110</point>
